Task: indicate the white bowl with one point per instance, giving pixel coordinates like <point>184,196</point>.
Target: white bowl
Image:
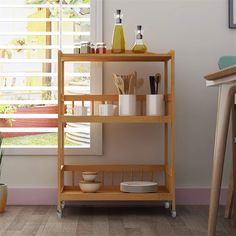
<point>89,176</point>
<point>89,187</point>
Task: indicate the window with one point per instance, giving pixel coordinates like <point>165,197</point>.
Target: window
<point>31,33</point>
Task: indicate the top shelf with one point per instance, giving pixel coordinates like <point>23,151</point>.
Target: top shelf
<point>115,57</point>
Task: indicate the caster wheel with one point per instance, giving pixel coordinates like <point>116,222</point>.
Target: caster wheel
<point>63,204</point>
<point>59,214</point>
<point>167,205</point>
<point>173,214</point>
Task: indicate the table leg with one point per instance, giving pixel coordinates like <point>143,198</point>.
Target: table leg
<point>225,101</point>
<point>229,200</point>
<point>234,163</point>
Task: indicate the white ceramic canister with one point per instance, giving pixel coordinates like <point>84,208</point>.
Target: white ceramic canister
<point>155,105</point>
<point>127,105</point>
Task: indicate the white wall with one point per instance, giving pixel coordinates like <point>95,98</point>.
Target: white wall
<point>198,31</point>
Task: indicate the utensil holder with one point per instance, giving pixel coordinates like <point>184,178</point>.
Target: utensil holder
<point>155,105</point>
<point>127,105</point>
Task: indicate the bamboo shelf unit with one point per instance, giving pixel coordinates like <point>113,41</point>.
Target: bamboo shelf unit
<point>118,173</point>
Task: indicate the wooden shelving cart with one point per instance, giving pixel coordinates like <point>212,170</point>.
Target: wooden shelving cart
<point>110,191</point>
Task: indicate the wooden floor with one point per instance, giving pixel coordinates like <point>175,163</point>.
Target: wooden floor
<point>113,221</point>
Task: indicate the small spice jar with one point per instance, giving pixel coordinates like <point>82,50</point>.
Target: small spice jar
<point>85,47</point>
<point>101,48</point>
<point>76,48</point>
<point>92,48</point>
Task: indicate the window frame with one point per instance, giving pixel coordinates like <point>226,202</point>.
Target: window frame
<point>96,130</point>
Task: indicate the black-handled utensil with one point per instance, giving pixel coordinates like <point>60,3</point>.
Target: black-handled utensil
<point>152,84</point>
<point>157,81</point>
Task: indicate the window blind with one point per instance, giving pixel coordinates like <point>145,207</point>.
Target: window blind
<point>31,33</point>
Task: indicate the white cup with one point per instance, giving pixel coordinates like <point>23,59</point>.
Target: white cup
<point>107,109</point>
<point>127,105</point>
<point>80,110</point>
<point>155,105</point>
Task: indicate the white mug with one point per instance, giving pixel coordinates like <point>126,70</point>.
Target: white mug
<point>127,105</point>
<point>107,109</point>
<point>80,110</point>
<point>155,105</point>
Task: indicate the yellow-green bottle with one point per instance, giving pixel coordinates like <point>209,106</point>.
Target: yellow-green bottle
<point>118,39</point>
<point>139,46</point>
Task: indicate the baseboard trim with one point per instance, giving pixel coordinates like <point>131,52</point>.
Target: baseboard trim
<point>48,196</point>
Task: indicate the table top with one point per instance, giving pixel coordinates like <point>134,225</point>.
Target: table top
<point>229,71</point>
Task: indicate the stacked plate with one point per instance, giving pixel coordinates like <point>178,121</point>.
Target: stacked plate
<point>138,187</point>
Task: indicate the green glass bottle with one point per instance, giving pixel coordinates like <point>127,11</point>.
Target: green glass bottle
<point>118,39</point>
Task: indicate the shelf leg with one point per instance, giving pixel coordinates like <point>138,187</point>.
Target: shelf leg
<point>173,131</point>
<point>60,213</point>
<point>173,213</point>
<point>167,205</point>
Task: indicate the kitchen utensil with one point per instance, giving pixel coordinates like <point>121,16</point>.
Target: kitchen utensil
<point>115,82</point>
<point>154,82</point>
<point>131,85</point>
<point>138,83</point>
<point>157,81</point>
<point>119,83</point>
<point>138,187</point>
<point>126,84</point>
<point>89,187</point>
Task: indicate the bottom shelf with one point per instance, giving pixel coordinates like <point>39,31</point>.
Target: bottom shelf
<point>115,195</point>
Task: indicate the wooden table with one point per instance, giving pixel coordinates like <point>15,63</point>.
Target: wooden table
<point>226,80</point>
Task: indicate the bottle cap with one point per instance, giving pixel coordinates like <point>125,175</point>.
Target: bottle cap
<point>118,17</point>
<point>100,44</point>
<point>85,43</point>
<point>139,35</point>
<point>139,27</point>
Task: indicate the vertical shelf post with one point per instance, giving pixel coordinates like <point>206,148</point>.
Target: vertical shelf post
<point>166,134</point>
<point>173,130</point>
<point>60,128</point>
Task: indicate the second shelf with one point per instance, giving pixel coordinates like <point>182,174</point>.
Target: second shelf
<point>93,117</point>
<point>116,119</point>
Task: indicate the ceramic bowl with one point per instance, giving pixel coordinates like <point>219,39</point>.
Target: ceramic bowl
<point>89,176</point>
<point>89,187</point>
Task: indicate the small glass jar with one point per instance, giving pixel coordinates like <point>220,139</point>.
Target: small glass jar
<point>76,48</point>
<point>101,48</point>
<point>85,47</point>
<point>92,48</point>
